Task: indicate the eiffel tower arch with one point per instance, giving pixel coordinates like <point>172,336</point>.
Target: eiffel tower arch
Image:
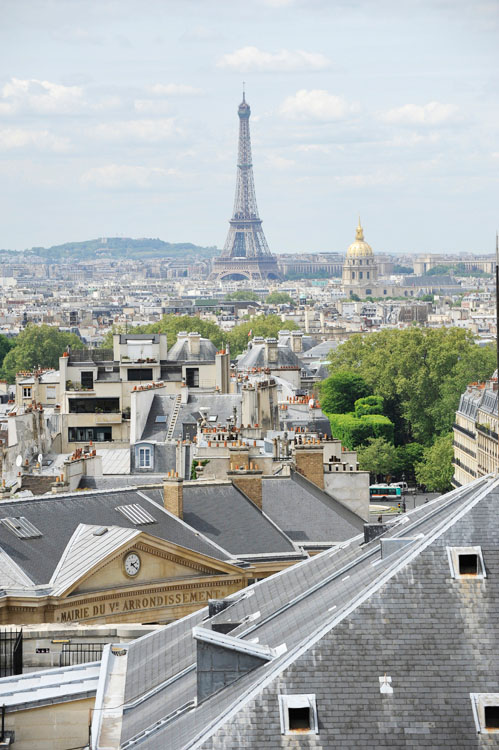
<point>246,254</point>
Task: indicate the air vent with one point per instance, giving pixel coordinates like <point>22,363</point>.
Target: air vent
<point>21,527</point>
<point>136,514</point>
<point>100,531</point>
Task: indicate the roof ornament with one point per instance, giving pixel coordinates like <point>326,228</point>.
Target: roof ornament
<point>359,232</point>
<point>385,685</point>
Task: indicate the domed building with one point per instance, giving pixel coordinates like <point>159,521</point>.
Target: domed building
<point>360,272</point>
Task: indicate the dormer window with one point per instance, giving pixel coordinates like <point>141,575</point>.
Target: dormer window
<point>466,563</point>
<point>485,712</point>
<point>298,714</point>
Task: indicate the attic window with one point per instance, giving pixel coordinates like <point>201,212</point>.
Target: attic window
<point>212,418</point>
<point>160,419</point>
<point>21,527</point>
<point>136,514</point>
<point>466,563</point>
<point>485,712</point>
<point>298,714</point>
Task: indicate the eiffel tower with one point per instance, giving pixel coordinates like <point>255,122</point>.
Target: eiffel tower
<point>246,254</point>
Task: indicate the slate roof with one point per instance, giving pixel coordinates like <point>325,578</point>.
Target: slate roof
<point>58,517</point>
<point>347,617</point>
<point>257,357</point>
<point>180,352</point>
<point>306,513</point>
<point>219,405</point>
<point>20,692</point>
<point>228,518</point>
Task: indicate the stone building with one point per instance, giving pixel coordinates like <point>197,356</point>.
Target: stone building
<point>476,432</point>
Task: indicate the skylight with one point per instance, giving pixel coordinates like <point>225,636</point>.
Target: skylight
<point>136,514</point>
<point>21,527</point>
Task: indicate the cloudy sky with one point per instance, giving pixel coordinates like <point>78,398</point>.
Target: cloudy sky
<point>119,117</point>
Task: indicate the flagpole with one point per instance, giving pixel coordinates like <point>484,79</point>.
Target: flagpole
<point>497,342</point>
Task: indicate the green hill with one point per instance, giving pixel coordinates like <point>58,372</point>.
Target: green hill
<point>122,247</point>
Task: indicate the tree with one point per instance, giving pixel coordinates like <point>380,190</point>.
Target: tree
<point>378,457</point>
<point>435,471</point>
<point>368,405</point>
<point>354,431</point>
<point>5,346</point>
<point>407,458</point>
<point>278,298</point>
<point>268,326</point>
<point>243,294</point>
<point>38,346</point>
<point>172,325</point>
<point>402,269</point>
<point>420,373</point>
<point>341,390</point>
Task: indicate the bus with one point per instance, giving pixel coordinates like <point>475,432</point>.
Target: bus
<point>384,492</point>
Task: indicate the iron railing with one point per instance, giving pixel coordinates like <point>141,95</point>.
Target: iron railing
<point>11,652</point>
<point>80,653</point>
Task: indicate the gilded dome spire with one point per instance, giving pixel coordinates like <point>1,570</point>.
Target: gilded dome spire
<point>359,248</point>
<point>359,232</point>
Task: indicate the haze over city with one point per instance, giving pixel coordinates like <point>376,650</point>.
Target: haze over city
<point>120,119</point>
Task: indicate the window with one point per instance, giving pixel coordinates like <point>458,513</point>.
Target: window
<point>145,458</point>
<point>361,274</point>
<point>85,434</point>
<point>192,377</point>
<point>298,714</point>
<point>466,563</point>
<point>94,405</point>
<point>27,392</point>
<point>87,379</point>
<point>353,274</point>
<point>485,712</point>
<point>139,373</point>
<point>368,274</point>
<point>51,392</point>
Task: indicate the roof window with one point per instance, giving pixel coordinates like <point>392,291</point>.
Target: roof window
<point>136,514</point>
<point>466,562</point>
<point>485,711</point>
<point>298,714</point>
<point>21,527</point>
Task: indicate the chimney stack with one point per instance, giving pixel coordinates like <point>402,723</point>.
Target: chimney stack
<point>173,494</point>
<point>309,461</point>
<point>194,343</point>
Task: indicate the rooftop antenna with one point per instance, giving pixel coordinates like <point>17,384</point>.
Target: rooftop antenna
<point>244,91</point>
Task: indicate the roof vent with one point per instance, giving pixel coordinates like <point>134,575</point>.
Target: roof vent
<point>100,531</point>
<point>373,530</point>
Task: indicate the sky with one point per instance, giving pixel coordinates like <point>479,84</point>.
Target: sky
<point>119,118</point>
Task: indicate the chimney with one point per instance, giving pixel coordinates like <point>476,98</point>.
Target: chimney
<point>309,460</point>
<point>271,351</point>
<point>297,341</point>
<point>194,343</point>
<point>248,479</point>
<point>173,492</point>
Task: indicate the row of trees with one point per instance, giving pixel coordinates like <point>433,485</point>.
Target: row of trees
<point>419,374</point>
<point>237,338</point>
<point>35,346</point>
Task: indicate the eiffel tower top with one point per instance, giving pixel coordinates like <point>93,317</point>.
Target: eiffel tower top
<point>244,109</point>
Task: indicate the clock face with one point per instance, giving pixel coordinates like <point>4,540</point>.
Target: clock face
<point>132,564</point>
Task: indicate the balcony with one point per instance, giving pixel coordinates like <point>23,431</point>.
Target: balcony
<point>485,430</point>
<point>466,432</point>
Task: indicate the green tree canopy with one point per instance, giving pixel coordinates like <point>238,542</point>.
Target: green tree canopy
<point>354,431</point>
<point>278,298</point>
<point>341,390</point>
<point>38,346</point>
<point>407,458</point>
<point>402,269</point>
<point>378,457</point>
<point>5,347</point>
<point>244,295</point>
<point>420,372</point>
<point>268,326</point>
<point>435,471</point>
<point>368,405</point>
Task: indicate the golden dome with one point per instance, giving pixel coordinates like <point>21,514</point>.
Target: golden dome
<point>359,248</point>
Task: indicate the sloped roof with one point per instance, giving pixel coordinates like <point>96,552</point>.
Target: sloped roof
<point>180,352</point>
<point>257,357</point>
<point>306,513</point>
<point>347,617</point>
<point>48,686</point>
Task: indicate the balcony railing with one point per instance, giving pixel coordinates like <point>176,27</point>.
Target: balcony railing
<point>487,431</point>
<point>463,448</point>
<point>464,430</point>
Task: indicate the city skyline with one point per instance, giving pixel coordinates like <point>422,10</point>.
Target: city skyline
<point>118,119</point>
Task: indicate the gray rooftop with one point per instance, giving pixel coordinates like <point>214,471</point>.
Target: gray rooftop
<point>343,619</point>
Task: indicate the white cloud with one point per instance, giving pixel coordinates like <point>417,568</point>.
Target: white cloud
<point>152,106</point>
<point>123,176</point>
<point>279,162</point>
<point>253,59</point>
<point>433,113</point>
<point>152,131</point>
<point>17,138</point>
<point>42,97</point>
<point>316,104</point>
<point>173,89</point>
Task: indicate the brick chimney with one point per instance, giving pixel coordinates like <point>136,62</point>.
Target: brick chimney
<point>173,494</point>
<point>309,460</point>
<point>248,479</point>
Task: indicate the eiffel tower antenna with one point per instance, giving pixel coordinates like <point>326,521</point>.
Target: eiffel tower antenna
<point>246,254</point>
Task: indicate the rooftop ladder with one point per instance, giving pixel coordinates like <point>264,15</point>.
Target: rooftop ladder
<point>174,417</point>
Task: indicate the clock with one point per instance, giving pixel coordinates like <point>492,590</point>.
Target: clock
<point>131,563</point>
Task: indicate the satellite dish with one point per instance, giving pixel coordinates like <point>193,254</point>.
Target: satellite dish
<point>19,460</point>
<point>40,458</point>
